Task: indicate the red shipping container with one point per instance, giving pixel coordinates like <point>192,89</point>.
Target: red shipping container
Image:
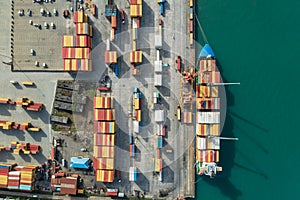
<point>114,22</point>
<point>191,26</point>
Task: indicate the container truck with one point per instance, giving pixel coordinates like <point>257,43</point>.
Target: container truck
<point>122,13</point>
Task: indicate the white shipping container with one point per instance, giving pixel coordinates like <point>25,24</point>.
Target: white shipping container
<point>158,65</point>
<point>213,143</point>
<point>134,22</point>
<point>157,79</point>
<point>208,117</point>
<point>158,41</point>
<point>159,115</point>
<point>132,174</point>
<point>136,127</point>
<point>201,143</point>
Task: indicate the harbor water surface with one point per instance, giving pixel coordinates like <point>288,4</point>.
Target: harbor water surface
<point>256,43</point>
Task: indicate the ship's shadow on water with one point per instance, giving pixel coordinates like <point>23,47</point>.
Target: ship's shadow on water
<point>227,154</point>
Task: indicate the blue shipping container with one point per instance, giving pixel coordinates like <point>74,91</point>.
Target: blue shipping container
<point>130,138</point>
<point>134,89</point>
<point>162,9</point>
<point>116,69</point>
<point>159,142</point>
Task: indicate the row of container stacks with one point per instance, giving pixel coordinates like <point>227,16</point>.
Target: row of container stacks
<point>77,65</point>
<point>191,23</point>
<point>76,50</point>
<point>17,177</point>
<point>136,12</point>
<point>26,148</point>
<point>104,115</point>
<point>204,143</point>
<point>80,17</point>
<point>84,29</point>
<point>6,101</point>
<point>29,104</point>
<point>104,138</point>
<point>136,57</point>
<point>77,41</point>
<point>208,103</point>
<point>203,91</point>
<point>103,102</point>
<point>207,155</point>
<point>136,8</point>
<point>208,130</point>
<point>110,57</point>
<point>7,125</point>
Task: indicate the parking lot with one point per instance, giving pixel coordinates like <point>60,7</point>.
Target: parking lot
<point>39,35</point>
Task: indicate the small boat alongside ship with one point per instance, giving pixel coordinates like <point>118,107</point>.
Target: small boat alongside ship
<point>208,114</point>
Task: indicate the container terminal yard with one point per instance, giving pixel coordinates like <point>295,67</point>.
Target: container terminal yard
<point>93,98</point>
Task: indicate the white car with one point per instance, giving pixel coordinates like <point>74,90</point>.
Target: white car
<point>55,12</point>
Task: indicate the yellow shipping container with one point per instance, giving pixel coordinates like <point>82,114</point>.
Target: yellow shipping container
<point>91,30</point>
<point>136,103</point>
<point>136,10</point>
<point>139,2</point>
<point>80,191</point>
<point>191,39</point>
<point>191,3</point>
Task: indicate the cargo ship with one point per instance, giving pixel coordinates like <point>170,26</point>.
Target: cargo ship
<point>207,79</point>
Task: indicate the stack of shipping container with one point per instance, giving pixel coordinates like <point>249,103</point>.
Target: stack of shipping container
<point>25,148</point>
<point>191,23</point>
<point>111,14</point>
<point>76,50</point>
<point>136,12</point>
<point>208,112</point>
<point>104,138</point>
<point>17,177</point>
<point>27,179</point>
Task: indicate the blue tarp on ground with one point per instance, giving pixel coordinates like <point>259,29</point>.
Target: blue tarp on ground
<point>80,163</point>
<point>206,51</point>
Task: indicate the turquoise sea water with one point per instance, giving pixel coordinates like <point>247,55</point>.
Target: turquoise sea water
<point>256,43</point>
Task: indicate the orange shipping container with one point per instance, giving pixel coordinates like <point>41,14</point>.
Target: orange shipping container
<point>187,117</point>
<point>104,139</point>
<point>103,163</point>
<point>78,17</point>
<point>105,175</point>
<point>110,57</point>
<point>207,155</point>
<point>136,57</point>
<point>207,65</point>
<point>208,129</point>
<point>104,114</point>
<point>77,65</point>
<point>104,127</point>
<point>136,10</point>
<point>114,22</point>
<point>104,152</point>
<point>103,102</point>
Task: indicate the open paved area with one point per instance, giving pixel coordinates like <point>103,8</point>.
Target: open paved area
<point>45,41</point>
